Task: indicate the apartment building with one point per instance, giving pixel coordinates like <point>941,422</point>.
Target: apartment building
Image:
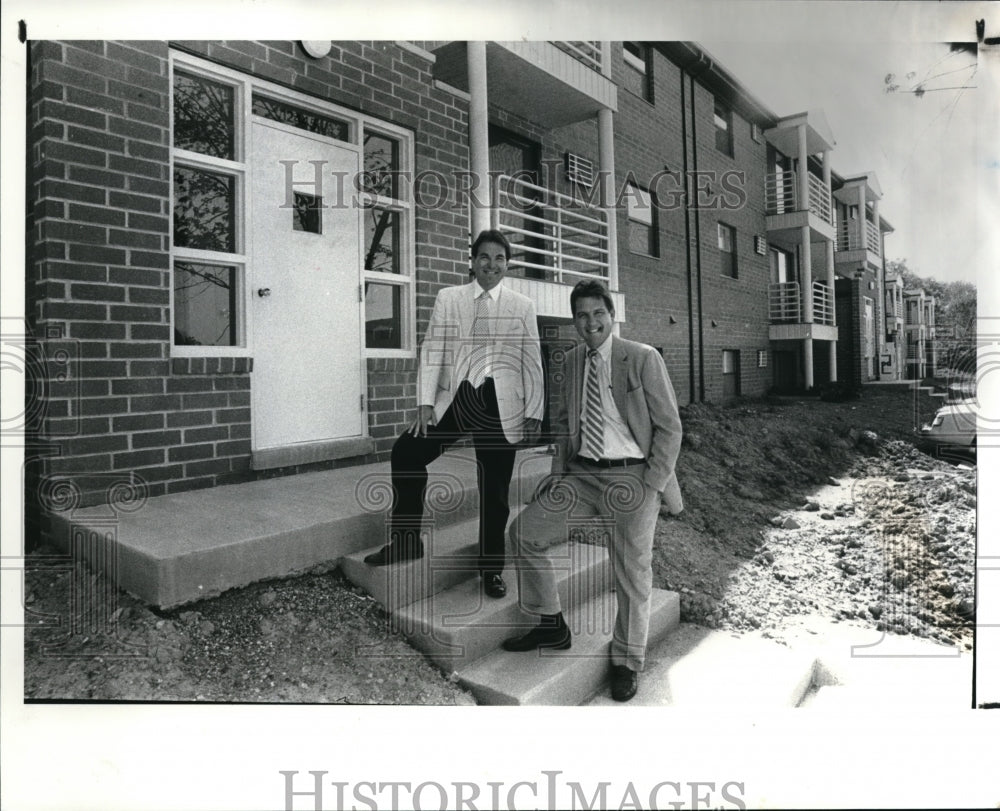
<point>234,247</point>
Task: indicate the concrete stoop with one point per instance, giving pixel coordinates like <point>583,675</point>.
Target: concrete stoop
<point>175,549</point>
<point>437,602</point>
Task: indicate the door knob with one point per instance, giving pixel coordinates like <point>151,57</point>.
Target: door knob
<point>263,291</point>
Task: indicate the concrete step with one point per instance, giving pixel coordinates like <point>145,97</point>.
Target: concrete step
<point>696,667</point>
<point>567,677</point>
<point>178,548</point>
<point>450,557</point>
<point>459,625</point>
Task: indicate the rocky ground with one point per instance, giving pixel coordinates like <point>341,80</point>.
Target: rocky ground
<point>793,508</point>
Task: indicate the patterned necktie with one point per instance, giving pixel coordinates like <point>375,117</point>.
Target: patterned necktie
<point>480,341</point>
<point>593,423</point>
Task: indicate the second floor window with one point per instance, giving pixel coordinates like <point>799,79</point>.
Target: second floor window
<point>638,75</point>
<point>723,128</point>
<point>642,222</point>
<point>727,250</point>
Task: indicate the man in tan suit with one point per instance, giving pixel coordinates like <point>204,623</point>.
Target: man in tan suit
<point>618,434</point>
<point>480,376</point>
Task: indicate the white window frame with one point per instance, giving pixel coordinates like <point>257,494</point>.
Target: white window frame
<point>245,85</point>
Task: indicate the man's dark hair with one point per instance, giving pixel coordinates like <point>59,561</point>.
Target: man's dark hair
<point>590,288</point>
<point>491,235</point>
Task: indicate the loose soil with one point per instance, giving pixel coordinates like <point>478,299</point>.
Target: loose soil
<point>792,508</point>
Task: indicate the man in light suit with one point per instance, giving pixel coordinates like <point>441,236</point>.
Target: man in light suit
<point>618,434</point>
<point>480,376</point>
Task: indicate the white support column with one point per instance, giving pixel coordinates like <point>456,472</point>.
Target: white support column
<point>606,59</point>
<point>830,276</point>
<point>831,282</point>
<point>479,138</point>
<point>606,153</point>
<point>827,185</point>
<point>805,274</point>
<point>862,218</point>
<point>803,178</point>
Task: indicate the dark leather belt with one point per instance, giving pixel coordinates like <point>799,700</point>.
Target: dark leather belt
<point>610,462</point>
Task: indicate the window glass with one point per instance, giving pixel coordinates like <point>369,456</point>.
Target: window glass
<point>299,117</point>
<point>203,116</point>
<point>727,250</point>
<point>636,74</point>
<point>307,214</point>
<point>204,210</point>
<point>642,222</point>
<point>382,240</point>
<point>723,129</point>
<point>204,304</point>
<point>383,316</point>
<point>381,165</point>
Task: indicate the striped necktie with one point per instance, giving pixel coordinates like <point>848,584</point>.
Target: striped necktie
<point>593,423</point>
<point>480,341</point>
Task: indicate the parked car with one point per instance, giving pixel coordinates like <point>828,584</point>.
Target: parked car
<point>952,433</point>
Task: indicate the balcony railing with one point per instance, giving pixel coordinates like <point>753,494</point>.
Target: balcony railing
<point>785,306</point>
<point>874,242</point>
<point>822,304</point>
<point>589,53</point>
<point>819,199</point>
<point>780,195</point>
<point>554,236</point>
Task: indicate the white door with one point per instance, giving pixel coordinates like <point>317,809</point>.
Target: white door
<point>306,317</point>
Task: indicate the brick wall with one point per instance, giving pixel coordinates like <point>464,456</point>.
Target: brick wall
<point>99,255</point>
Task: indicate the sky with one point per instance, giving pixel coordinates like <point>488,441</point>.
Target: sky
<point>922,148</point>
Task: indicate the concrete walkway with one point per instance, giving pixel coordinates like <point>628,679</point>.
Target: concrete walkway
<point>175,549</point>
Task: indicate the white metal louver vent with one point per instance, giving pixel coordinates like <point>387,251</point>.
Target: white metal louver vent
<point>761,358</point>
<point>760,245</point>
<point>579,170</point>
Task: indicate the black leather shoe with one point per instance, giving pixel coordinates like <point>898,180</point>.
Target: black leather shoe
<point>494,586</point>
<point>394,553</point>
<point>549,633</point>
<point>624,682</point>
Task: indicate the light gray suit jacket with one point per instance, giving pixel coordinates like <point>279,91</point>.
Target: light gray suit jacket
<point>641,389</point>
<point>517,359</point>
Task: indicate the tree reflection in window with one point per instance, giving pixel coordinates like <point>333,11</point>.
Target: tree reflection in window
<point>381,165</point>
<point>382,240</point>
<point>307,213</point>
<point>204,204</point>
<point>300,118</point>
<point>203,116</point>
<point>205,304</point>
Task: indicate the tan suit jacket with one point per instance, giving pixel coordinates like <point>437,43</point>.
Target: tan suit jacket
<point>641,389</point>
<point>517,359</point>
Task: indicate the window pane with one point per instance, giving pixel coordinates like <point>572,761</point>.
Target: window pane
<point>382,240</point>
<point>383,316</point>
<point>639,238</point>
<point>204,210</point>
<point>723,129</point>
<point>640,207</point>
<point>203,116</point>
<point>298,117</point>
<point>307,214</point>
<point>725,238</point>
<point>381,164</point>
<point>204,304</point>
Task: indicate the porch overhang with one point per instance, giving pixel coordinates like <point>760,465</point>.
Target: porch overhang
<point>533,79</point>
<point>798,332</point>
<point>785,230</point>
